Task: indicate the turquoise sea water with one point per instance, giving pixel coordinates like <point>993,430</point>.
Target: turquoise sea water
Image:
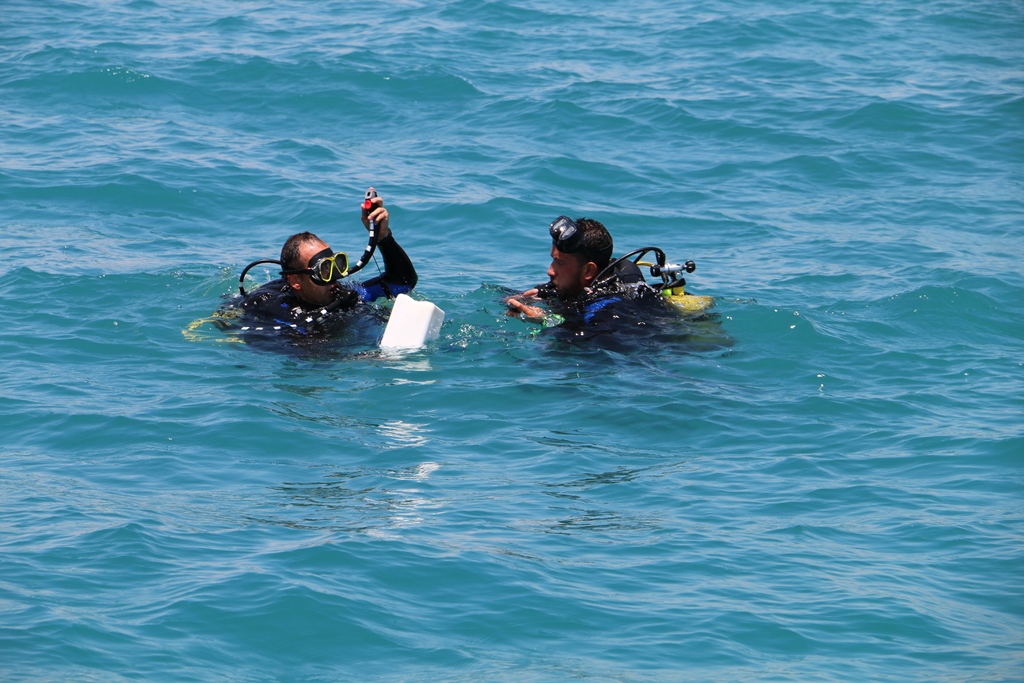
<point>821,483</point>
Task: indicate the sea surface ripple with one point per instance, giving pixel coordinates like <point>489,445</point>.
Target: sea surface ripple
<point>821,481</point>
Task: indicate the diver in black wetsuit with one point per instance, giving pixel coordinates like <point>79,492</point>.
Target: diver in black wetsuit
<point>312,290</point>
<point>583,290</point>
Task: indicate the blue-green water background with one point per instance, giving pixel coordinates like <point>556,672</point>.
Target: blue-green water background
<point>835,495</point>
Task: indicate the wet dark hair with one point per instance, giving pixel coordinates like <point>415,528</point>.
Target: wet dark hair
<point>596,244</point>
<point>290,250</point>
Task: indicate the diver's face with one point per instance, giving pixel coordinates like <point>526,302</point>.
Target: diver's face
<point>310,292</point>
<point>567,273</point>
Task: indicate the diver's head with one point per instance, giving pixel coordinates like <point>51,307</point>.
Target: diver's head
<point>580,250</point>
<point>304,258</point>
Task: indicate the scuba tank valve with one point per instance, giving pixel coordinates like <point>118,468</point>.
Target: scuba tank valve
<point>671,271</point>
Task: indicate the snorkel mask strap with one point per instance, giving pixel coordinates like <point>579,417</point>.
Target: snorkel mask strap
<point>241,278</point>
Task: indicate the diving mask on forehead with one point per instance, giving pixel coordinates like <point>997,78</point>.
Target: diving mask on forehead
<point>565,234</point>
<point>324,268</point>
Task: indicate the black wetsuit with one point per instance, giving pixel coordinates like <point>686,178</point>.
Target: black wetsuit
<point>620,290</point>
<point>622,309</point>
<point>274,306</point>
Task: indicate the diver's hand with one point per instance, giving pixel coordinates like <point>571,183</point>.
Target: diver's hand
<point>379,215</point>
<point>523,311</point>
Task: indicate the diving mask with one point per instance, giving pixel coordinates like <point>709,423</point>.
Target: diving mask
<point>324,267</point>
<point>565,234</point>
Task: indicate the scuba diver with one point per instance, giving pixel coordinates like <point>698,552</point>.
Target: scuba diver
<point>312,288</point>
<point>587,289</point>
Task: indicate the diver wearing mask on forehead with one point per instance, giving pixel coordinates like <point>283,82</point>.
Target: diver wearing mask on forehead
<point>585,287</point>
<point>313,284</point>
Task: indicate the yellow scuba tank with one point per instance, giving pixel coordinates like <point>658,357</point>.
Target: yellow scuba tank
<point>688,303</point>
<point>672,282</point>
